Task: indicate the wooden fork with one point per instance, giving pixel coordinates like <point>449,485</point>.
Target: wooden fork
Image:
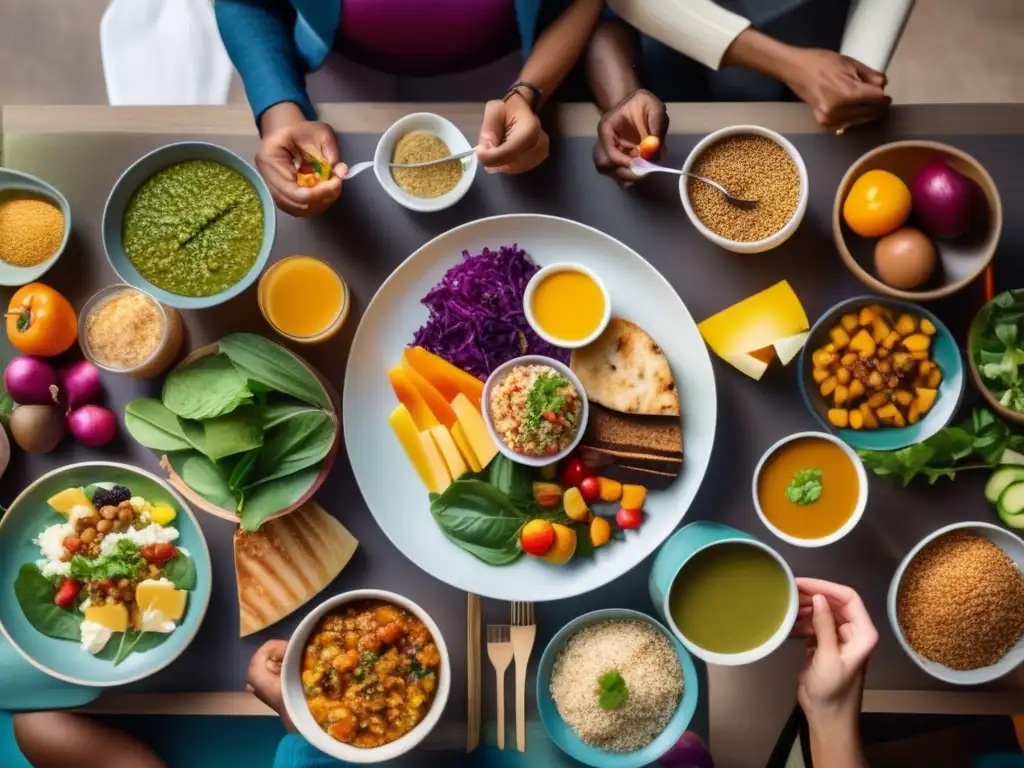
<point>524,630</point>
<point>499,651</point>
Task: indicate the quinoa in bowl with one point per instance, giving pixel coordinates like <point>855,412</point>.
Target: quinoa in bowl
<point>535,410</point>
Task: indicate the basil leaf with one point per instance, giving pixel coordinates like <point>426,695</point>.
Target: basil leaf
<point>35,596</point>
<point>153,426</point>
<point>235,432</point>
<point>211,386</point>
<point>481,520</point>
<point>242,469</point>
<point>296,443</point>
<point>512,479</point>
<point>274,367</point>
<point>278,410</point>
<point>271,497</point>
<point>180,570</point>
<point>204,477</point>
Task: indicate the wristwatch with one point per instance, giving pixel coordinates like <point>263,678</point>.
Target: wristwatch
<point>528,91</point>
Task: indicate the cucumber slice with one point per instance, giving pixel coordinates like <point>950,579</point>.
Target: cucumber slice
<point>1011,505</point>
<point>1001,479</point>
<point>1011,456</point>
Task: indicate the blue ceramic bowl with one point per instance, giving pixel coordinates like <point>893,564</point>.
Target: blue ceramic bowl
<point>137,174</point>
<point>18,184</point>
<point>945,351</point>
<point>64,659</point>
<point>562,734</point>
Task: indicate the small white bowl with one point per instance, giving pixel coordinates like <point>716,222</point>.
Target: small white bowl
<point>295,698</point>
<point>862,491</point>
<point>755,246</point>
<point>449,134</point>
<point>565,266</point>
<point>1013,547</point>
<point>498,374</point>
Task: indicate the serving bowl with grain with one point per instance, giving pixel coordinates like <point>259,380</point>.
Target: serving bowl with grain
<point>753,163</point>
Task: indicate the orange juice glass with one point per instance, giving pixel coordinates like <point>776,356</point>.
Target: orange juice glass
<point>304,299</point>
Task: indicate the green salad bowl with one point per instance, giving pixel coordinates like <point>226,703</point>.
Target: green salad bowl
<point>137,175</point>
<point>983,346</point>
<point>65,660</point>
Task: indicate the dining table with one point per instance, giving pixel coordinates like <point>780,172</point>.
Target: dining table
<point>365,236</point>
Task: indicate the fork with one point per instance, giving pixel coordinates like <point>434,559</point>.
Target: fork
<point>524,630</point>
<point>499,651</point>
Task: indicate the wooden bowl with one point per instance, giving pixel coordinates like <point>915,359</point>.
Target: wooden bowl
<point>961,259</point>
<point>325,467</point>
<point>1014,417</point>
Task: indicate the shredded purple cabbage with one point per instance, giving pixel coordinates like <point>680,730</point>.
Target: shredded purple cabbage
<point>476,313</point>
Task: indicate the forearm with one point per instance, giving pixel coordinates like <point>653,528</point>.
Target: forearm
<point>561,45</point>
<point>758,52</point>
<point>836,745</point>
<point>611,64</point>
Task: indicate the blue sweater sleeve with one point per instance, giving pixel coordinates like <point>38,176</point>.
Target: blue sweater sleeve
<point>259,38</point>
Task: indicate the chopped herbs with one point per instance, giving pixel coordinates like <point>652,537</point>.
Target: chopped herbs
<point>612,692</point>
<point>123,562</point>
<point>546,396</point>
<point>806,486</point>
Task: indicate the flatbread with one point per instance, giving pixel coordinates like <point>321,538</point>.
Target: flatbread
<point>625,370</point>
<point>286,563</point>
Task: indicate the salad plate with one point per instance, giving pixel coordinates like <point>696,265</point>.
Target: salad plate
<point>462,553</point>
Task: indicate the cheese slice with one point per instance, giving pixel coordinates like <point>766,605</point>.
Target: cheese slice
<point>462,443</point>
<point>449,452</point>
<point>405,430</point>
<point>113,617</point>
<point>161,597</point>
<point>440,477</point>
<point>472,422</point>
<point>750,333</point>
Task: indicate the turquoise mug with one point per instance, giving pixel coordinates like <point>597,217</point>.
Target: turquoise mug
<point>678,551</point>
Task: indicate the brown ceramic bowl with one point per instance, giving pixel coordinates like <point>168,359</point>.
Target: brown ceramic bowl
<point>325,466</point>
<point>1014,417</point>
<point>961,260</point>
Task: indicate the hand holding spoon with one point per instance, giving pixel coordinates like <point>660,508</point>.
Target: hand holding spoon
<point>641,168</point>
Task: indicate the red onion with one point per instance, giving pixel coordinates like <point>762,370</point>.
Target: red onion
<point>30,381</point>
<point>943,199</point>
<point>92,425</point>
<point>80,384</point>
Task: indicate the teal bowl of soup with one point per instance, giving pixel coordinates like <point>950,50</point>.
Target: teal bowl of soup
<point>192,224</point>
<point>727,597</point>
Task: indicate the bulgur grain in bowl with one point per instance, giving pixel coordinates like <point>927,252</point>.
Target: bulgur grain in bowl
<point>956,603</point>
<point>753,163</point>
<point>535,409</point>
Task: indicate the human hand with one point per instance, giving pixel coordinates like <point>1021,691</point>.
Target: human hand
<point>621,130</point>
<point>840,91</point>
<point>287,136</point>
<point>840,637</point>
<point>512,139</point>
<point>264,677</point>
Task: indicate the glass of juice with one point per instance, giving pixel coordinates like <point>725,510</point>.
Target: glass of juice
<point>304,299</point>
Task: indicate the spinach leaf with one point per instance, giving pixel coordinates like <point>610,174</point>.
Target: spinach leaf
<point>180,571</point>
<point>480,519</point>
<point>278,410</point>
<point>131,642</point>
<point>204,477</point>
<point>211,386</point>
<point>153,426</point>
<point>235,432</point>
<point>271,497</point>
<point>512,479</point>
<point>35,596</point>
<point>296,443</point>
<point>274,367</point>
<point>242,469</point>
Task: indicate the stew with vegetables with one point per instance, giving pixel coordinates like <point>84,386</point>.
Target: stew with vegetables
<point>369,673</point>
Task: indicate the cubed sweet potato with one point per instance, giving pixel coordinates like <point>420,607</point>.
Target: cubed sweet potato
<point>611,490</point>
<point>918,342</point>
<point>840,338</point>
<point>863,344</point>
<point>856,419</point>
<point>849,323</point>
<point>839,417</point>
<point>906,325</point>
<point>633,496</point>
<point>927,326</point>
<point>926,399</point>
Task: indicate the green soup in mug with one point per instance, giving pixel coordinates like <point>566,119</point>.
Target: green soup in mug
<point>729,598</point>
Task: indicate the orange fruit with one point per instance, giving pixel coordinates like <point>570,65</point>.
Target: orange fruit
<point>878,203</point>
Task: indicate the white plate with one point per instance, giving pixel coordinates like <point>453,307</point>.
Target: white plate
<point>393,491</point>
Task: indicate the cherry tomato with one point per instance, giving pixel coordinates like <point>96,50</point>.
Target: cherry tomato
<point>650,147</point>
<point>574,472</point>
<point>629,518</point>
<point>106,585</point>
<point>160,553</point>
<point>590,488</point>
<point>66,593</point>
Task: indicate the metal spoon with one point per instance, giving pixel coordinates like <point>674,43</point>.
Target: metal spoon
<point>355,170</point>
<point>641,168</point>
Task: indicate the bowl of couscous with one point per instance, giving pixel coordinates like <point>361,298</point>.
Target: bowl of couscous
<point>35,223</point>
<point>753,163</point>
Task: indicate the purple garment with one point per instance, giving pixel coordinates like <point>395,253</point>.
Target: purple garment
<point>427,37</point>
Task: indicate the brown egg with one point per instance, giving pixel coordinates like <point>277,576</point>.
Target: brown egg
<point>905,258</point>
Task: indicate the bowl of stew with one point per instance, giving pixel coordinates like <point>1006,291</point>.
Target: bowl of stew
<point>366,676</point>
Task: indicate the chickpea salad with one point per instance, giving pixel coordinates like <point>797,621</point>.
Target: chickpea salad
<point>109,575</point>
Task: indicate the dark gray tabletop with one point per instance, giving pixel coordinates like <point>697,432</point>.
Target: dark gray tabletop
<point>366,236</point>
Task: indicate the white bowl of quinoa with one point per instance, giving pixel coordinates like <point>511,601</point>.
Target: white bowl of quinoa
<point>753,163</point>
<point>421,137</point>
<point>535,409</point>
<point>956,603</point>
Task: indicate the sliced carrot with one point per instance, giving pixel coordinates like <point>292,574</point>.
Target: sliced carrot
<point>434,399</point>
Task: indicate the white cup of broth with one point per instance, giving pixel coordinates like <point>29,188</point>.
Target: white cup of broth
<point>729,598</point>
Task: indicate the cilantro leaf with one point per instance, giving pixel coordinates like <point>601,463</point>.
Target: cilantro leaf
<point>545,396</point>
<point>612,691</point>
<point>805,488</point>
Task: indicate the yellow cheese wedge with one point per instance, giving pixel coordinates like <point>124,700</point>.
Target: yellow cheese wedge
<point>449,451</point>
<point>70,498</point>
<point>405,430</point>
<point>440,478</point>
<point>472,422</point>
<point>462,442</point>
<point>113,617</point>
<point>162,597</point>
<point>773,319</point>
